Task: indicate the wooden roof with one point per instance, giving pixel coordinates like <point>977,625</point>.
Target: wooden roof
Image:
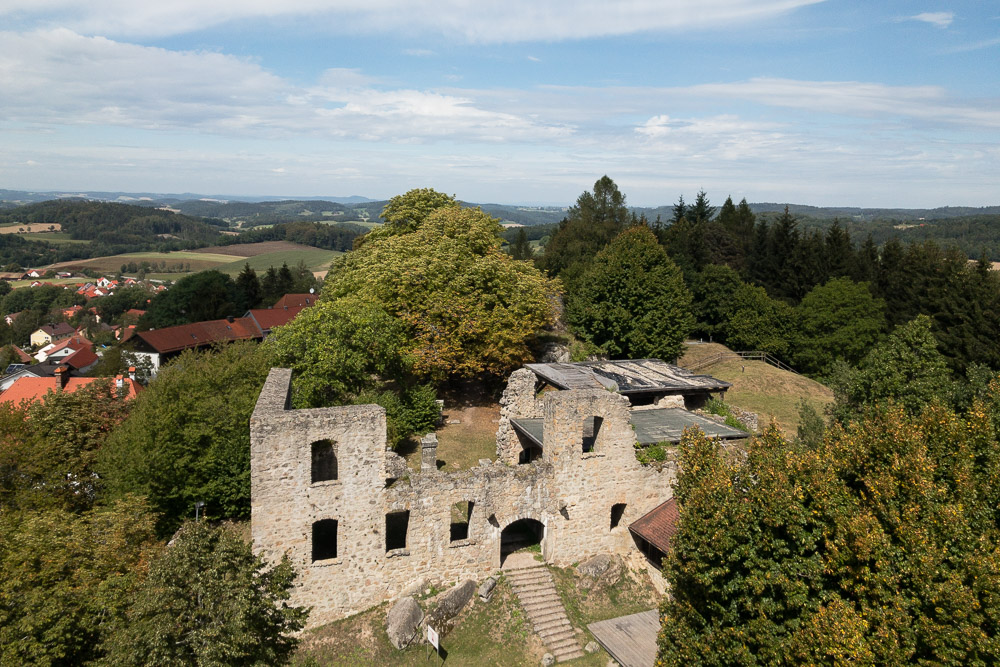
<point>627,376</point>
<point>650,426</point>
<point>630,640</point>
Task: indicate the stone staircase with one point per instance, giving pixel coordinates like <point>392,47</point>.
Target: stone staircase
<point>535,589</point>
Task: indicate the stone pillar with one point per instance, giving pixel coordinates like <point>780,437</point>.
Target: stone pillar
<point>428,453</point>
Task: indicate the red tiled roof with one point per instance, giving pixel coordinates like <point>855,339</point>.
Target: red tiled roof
<point>74,343</point>
<point>659,525</point>
<point>185,336</point>
<point>290,300</point>
<point>135,312</point>
<point>268,318</point>
<point>35,389</point>
<point>21,354</point>
<point>82,358</point>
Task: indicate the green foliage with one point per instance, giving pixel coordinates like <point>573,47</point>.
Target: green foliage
<point>406,212</point>
<point>66,579</point>
<point>906,369</point>
<point>467,307</point>
<point>187,437</point>
<point>838,320</point>
<point>249,286</point>
<point>713,289</point>
<point>758,322</point>
<point>879,545</point>
<point>48,450</point>
<point>208,600</point>
<point>812,426</point>
<point>631,302</point>
<point>519,247</point>
<point>409,410</point>
<point>591,224</point>
<point>112,307</point>
<point>654,453</point>
<point>207,295</point>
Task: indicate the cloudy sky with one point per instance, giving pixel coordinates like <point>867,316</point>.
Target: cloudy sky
<point>825,102</point>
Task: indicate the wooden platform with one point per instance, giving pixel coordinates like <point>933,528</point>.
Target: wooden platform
<point>631,640</point>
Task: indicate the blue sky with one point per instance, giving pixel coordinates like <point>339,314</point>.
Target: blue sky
<point>823,102</point>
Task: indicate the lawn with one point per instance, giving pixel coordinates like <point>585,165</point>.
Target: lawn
<point>759,387</point>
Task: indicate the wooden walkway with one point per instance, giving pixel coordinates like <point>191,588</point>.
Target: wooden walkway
<point>631,640</point>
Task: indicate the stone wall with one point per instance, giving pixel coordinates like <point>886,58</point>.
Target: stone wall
<point>571,492</point>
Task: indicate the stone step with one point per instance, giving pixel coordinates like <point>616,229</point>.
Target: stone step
<point>529,568</point>
<point>568,656</point>
<point>554,629</point>
<point>530,576</point>
<point>564,646</point>
<point>542,607</point>
<point>532,585</point>
<point>536,591</point>
<point>551,619</point>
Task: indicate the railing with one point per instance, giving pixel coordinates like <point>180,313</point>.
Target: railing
<point>755,355</point>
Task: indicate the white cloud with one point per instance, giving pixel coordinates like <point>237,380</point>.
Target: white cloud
<point>61,78</point>
<point>486,21</point>
<point>939,19</point>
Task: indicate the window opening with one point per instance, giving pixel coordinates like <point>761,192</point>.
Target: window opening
<point>324,540</point>
<point>617,512</point>
<point>591,428</point>
<point>461,517</point>
<point>324,461</point>
<point>396,524</point>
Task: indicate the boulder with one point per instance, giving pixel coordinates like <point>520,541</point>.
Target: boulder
<point>486,590</point>
<point>592,647</point>
<point>453,601</point>
<point>402,623</point>
<point>594,566</point>
<point>548,660</point>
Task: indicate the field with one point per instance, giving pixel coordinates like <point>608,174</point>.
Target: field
<point>55,238</point>
<point>17,228</point>
<point>228,259</point>
<point>759,387</point>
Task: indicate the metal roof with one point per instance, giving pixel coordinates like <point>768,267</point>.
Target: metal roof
<point>651,426</point>
<point>627,376</point>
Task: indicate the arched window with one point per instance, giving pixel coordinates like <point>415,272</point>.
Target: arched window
<point>324,461</point>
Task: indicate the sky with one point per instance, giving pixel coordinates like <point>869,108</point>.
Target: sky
<point>893,103</point>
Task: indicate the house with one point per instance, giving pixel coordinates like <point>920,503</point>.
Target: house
<point>11,318</point>
<point>33,389</point>
<point>360,526</point>
<point>68,347</point>
<point>64,275</point>
<point>51,333</point>
<point>269,318</point>
<point>158,345</point>
<point>295,300</point>
<point>72,312</point>
<point>31,273</point>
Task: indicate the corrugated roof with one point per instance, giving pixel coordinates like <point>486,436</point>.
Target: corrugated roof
<point>627,376</point>
<point>659,525</point>
<point>185,336</point>
<point>650,426</point>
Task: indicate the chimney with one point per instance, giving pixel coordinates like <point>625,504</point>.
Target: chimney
<point>229,319</point>
<point>131,373</point>
<point>62,374</point>
<point>119,382</point>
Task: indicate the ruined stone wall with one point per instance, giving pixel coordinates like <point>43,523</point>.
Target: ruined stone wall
<point>569,491</point>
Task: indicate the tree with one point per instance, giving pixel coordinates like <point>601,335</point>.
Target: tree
<point>878,545</point>
<point>406,212</point>
<point>249,286</point>
<point>208,600</point>
<point>350,350</point>
<point>468,308</point>
<point>632,301</point>
<point>591,224</point>
<point>838,320</point>
<point>758,322</point>
<point>208,295</point>
<point>906,369</point>
<point>713,291</point>
<point>186,438</point>
<point>520,249</point>
<point>66,579</point>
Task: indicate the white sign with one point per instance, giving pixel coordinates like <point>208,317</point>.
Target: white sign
<point>432,637</point>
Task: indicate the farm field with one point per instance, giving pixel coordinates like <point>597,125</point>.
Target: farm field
<point>56,238</point>
<point>17,228</point>
<point>313,258</point>
<point>252,249</point>
<point>112,263</point>
<point>53,281</point>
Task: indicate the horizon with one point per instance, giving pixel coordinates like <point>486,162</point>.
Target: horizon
<point>768,100</point>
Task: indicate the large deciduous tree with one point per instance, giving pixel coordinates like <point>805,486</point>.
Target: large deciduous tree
<point>208,295</point>
<point>878,546</point>
<point>632,302</point>
<point>838,320</point>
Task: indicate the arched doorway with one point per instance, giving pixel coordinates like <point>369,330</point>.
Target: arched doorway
<point>523,535</point>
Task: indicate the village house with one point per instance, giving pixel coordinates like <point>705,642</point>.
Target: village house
<point>51,333</point>
<point>33,389</point>
<point>362,527</point>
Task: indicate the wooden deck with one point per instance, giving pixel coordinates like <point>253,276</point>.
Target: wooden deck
<point>631,640</point>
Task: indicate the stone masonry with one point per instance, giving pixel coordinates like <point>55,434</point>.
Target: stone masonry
<point>335,529</point>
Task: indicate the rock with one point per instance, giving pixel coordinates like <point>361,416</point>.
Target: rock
<point>486,590</point>
<point>548,660</point>
<point>402,623</point>
<point>414,589</point>
<point>395,466</point>
<point>554,353</point>
<point>594,566</point>
<point>592,647</point>
<point>453,601</point>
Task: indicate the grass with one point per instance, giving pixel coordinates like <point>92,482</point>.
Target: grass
<point>54,281</point>
<point>314,258</point>
<point>55,238</point>
<point>493,633</point>
<point>759,387</point>
<point>199,261</point>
